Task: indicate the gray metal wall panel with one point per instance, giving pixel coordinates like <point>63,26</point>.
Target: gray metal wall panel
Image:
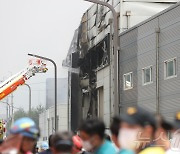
<point>138,50</point>
<point>169,48</point>
<point>168,52</point>
<point>147,28</point>
<point>129,38</point>
<point>127,53</point>
<point>148,104</point>
<point>170,34</point>
<point>147,44</point>
<point>169,17</point>
<point>128,63</point>
<point>170,103</point>
<point>147,57</point>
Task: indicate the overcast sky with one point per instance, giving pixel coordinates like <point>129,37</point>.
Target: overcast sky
<point>44,27</point>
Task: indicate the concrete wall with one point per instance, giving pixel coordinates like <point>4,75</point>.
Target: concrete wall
<point>128,63</point>
<point>103,81</point>
<point>48,115</point>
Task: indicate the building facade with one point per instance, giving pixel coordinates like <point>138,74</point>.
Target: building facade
<point>46,119</point>
<point>47,122</point>
<point>149,69</point>
<point>143,62</point>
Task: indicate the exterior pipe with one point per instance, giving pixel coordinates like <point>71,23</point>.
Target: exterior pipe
<point>157,30</point>
<point>121,16</point>
<point>110,69</point>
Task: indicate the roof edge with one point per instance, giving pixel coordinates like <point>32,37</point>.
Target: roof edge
<point>151,18</point>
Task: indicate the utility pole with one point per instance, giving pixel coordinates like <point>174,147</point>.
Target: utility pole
<point>12,108</point>
<point>9,111</point>
<point>7,116</point>
<point>8,108</point>
<point>29,97</point>
<point>55,85</point>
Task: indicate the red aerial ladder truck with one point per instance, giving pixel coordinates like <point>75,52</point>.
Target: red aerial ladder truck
<point>11,84</point>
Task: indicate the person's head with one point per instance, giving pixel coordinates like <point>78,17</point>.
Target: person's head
<point>36,150</point>
<point>176,123</point>
<point>175,141</point>
<point>26,127</point>
<point>163,129</point>
<point>50,140</point>
<point>136,125</point>
<point>44,146</point>
<point>114,127</point>
<point>107,137</point>
<point>174,133</point>
<point>62,143</point>
<point>92,133</point>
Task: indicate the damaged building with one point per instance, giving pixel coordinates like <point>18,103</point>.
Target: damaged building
<point>90,59</point>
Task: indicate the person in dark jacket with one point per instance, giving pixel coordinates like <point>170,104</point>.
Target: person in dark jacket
<point>62,143</point>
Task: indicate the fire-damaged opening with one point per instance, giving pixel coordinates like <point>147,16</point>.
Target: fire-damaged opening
<point>95,59</point>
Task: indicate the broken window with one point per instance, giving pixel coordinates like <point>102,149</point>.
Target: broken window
<point>100,54</point>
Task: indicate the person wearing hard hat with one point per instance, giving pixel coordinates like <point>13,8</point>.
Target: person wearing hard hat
<point>77,142</point>
<point>44,146</point>
<point>48,150</point>
<point>137,131</point>
<point>162,133</point>
<point>22,139</point>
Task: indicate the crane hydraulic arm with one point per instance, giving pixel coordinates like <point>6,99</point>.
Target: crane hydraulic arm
<point>11,84</point>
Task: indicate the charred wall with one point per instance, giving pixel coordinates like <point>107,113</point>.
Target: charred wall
<point>76,103</point>
<point>95,59</point>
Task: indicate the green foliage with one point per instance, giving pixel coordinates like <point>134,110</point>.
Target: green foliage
<point>19,114</point>
<point>34,114</point>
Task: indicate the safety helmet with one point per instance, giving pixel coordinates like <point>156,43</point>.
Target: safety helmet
<point>44,146</point>
<point>25,127</point>
<point>77,142</point>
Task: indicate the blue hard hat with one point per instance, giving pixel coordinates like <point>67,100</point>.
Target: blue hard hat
<point>44,146</point>
<point>25,127</point>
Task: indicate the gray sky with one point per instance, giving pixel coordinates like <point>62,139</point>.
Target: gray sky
<point>44,27</point>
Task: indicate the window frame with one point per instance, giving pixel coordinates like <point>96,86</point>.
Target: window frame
<point>174,68</point>
<point>143,75</point>
<point>124,79</point>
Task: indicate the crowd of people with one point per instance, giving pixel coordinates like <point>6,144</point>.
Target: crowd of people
<point>135,131</point>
